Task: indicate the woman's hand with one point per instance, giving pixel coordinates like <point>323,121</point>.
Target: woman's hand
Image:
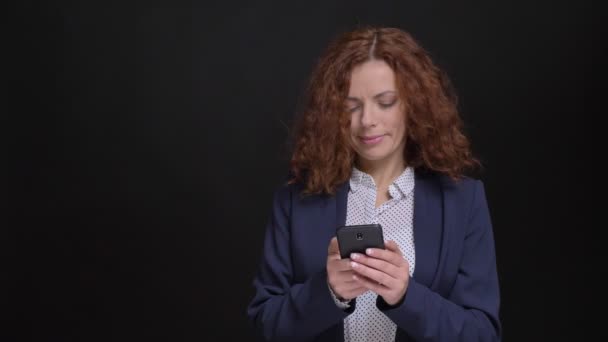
<point>340,274</point>
<point>383,271</point>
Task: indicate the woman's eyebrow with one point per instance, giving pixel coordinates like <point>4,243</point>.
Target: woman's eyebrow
<point>375,96</point>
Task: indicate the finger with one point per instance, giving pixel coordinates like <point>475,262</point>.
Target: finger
<point>374,275</point>
<point>388,255</point>
<point>341,265</point>
<point>345,281</point>
<point>355,292</point>
<point>356,277</point>
<point>346,286</point>
<point>349,279</point>
<point>380,289</point>
<point>379,264</point>
<point>333,247</point>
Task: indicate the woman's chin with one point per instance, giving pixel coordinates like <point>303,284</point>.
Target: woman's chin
<point>371,157</point>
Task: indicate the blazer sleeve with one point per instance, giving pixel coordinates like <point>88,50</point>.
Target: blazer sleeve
<point>282,310</point>
<point>470,312</point>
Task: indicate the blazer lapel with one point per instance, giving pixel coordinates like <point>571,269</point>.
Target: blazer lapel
<point>341,204</point>
<point>427,228</point>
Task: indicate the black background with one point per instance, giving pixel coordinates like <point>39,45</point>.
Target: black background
<point>149,138</point>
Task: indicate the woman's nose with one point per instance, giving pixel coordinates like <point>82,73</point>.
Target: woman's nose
<point>368,117</point>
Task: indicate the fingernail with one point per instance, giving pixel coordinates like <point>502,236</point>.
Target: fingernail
<point>353,264</point>
<point>369,251</point>
<point>354,256</point>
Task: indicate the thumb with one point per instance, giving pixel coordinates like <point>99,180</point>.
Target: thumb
<point>392,246</point>
<point>333,246</point>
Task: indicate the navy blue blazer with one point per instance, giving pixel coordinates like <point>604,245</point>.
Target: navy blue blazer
<point>453,294</point>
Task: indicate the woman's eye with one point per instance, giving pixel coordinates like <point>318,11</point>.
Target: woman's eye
<point>352,109</point>
<point>387,104</point>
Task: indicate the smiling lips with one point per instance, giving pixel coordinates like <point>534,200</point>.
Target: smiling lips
<point>372,139</point>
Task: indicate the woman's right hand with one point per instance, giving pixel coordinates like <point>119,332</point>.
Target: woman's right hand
<point>340,274</point>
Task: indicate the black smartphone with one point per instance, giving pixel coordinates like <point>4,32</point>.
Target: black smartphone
<point>356,238</point>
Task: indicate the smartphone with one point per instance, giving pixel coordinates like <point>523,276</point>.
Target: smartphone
<point>356,238</point>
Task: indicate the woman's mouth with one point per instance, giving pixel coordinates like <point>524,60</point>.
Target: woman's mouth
<point>372,139</point>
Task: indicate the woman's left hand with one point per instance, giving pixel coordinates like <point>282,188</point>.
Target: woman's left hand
<point>383,271</point>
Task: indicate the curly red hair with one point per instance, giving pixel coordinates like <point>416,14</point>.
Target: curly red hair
<point>322,156</point>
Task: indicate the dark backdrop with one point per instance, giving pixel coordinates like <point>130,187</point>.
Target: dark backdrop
<point>149,138</point>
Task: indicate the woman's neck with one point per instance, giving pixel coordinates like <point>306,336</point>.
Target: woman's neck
<point>384,172</point>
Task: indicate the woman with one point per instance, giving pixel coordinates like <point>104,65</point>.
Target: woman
<point>380,141</point>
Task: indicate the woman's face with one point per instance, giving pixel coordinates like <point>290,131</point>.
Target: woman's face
<point>377,126</point>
